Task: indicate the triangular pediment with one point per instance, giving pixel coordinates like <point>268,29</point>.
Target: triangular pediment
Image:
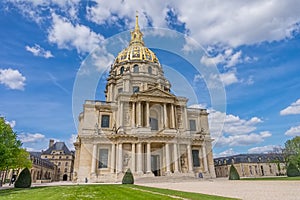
<point>157,92</point>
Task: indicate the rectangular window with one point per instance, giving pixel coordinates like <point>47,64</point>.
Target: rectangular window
<point>105,121</point>
<point>103,158</point>
<point>196,161</point>
<point>193,125</point>
<point>120,90</point>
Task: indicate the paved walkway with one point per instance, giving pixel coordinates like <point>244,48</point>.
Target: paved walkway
<point>248,190</point>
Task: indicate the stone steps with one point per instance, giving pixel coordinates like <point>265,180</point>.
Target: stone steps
<point>164,179</point>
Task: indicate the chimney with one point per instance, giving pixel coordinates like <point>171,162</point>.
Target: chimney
<point>51,142</point>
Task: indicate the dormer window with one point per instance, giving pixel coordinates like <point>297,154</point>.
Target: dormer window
<point>135,89</point>
<point>122,70</point>
<point>135,69</point>
<point>150,70</point>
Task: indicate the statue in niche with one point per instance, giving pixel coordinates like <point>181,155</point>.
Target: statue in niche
<point>127,118</point>
<point>126,159</point>
<point>183,161</point>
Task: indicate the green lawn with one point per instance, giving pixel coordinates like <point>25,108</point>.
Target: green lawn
<point>279,178</point>
<point>100,192</point>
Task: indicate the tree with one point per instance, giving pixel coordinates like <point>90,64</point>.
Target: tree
<point>128,178</point>
<point>233,174</point>
<point>21,159</point>
<point>292,152</point>
<point>12,156</point>
<point>24,179</point>
<point>292,170</point>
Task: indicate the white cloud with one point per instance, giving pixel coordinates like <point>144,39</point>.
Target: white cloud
<point>265,149</point>
<point>68,36</point>
<point>12,123</point>
<point>70,142</point>
<point>293,131</point>
<point>228,58</point>
<point>231,23</point>
<point>190,44</point>
<point>199,106</point>
<point>31,137</point>
<point>293,109</point>
<point>233,125</point>
<point>35,9</point>
<point>228,152</point>
<point>36,50</point>
<point>228,78</point>
<point>234,130</point>
<point>102,59</point>
<point>13,79</point>
<point>242,140</point>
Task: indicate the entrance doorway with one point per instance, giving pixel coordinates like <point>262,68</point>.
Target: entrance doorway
<point>65,177</point>
<point>155,165</point>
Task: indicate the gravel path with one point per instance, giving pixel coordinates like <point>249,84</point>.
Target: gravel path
<point>248,190</point>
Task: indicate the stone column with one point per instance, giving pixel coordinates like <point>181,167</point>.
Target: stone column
<point>175,158</point>
<point>94,159</point>
<point>121,114</point>
<point>139,158</point>
<point>133,157</point>
<point>165,116</point>
<point>147,115</point>
<point>120,158</point>
<point>113,158</point>
<point>139,114</point>
<point>148,158</point>
<point>133,114</point>
<point>186,121</point>
<point>172,116</point>
<point>167,158</point>
<point>110,90</point>
<point>190,159</point>
<point>204,158</point>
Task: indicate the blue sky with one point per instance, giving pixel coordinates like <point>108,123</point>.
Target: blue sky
<point>255,47</point>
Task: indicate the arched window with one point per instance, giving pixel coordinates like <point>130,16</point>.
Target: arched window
<point>135,69</point>
<point>122,70</point>
<point>66,170</point>
<point>150,70</point>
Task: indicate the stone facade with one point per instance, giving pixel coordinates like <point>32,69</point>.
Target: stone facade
<point>42,170</point>
<point>251,165</point>
<point>141,125</point>
<point>59,154</point>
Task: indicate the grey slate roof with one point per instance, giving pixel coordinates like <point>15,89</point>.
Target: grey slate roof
<point>36,154</point>
<point>58,146</point>
<point>249,158</point>
<point>36,159</point>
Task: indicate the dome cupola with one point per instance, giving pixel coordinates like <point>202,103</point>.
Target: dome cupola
<point>136,51</point>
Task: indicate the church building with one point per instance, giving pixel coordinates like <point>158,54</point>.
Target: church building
<point>141,125</point>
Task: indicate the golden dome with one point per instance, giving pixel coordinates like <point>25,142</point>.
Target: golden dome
<point>136,51</point>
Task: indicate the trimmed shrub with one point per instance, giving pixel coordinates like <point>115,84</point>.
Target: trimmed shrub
<point>128,178</point>
<point>24,179</point>
<point>292,170</point>
<point>233,174</point>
